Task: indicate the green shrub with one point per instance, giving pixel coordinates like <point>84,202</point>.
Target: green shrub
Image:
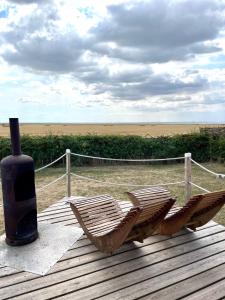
<point>47,148</point>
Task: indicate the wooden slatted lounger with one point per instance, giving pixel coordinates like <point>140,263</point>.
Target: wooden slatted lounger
<point>208,207</point>
<point>155,203</point>
<point>108,227</point>
<point>103,221</point>
<point>198,211</point>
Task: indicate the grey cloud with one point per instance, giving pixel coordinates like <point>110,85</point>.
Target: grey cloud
<point>169,23</point>
<point>157,86</point>
<point>39,46</point>
<point>159,30</point>
<point>201,48</point>
<point>145,32</point>
<point>148,85</point>
<point>97,75</point>
<point>145,55</point>
<point>40,19</point>
<point>174,98</point>
<point>47,55</point>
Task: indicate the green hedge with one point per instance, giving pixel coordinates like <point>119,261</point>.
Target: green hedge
<point>45,149</point>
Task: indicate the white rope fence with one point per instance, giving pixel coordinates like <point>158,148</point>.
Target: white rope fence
<point>46,166</point>
<point>199,187</point>
<point>125,184</point>
<point>52,182</point>
<point>50,164</point>
<point>68,171</point>
<point>127,160</point>
<point>188,182</point>
<point>218,175</point>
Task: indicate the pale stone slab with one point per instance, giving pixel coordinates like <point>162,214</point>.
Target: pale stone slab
<point>38,257</point>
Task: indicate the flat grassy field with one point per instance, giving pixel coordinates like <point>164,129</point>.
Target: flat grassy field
<point>130,174</point>
<point>146,130</point>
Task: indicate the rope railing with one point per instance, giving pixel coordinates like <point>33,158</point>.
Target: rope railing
<point>50,164</point>
<point>127,160</point>
<point>52,182</point>
<point>187,180</point>
<point>199,187</point>
<point>125,184</point>
<point>218,175</point>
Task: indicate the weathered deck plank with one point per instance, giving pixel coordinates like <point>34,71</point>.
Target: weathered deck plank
<point>212,291</point>
<point>190,285</point>
<point>185,265</point>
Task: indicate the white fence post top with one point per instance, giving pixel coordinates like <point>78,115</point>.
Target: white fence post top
<point>68,151</point>
<point>187,154</point>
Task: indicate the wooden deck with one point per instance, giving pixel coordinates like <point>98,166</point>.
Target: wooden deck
<point>185,266</point>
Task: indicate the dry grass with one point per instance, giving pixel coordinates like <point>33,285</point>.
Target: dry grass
<point>139,174</point>
<point>105,129</point>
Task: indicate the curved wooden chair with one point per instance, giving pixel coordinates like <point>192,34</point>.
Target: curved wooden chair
<point>108,227</point>
<point>155,203</point>
<point>207,208</point>
<point>103,221</point>
<point>198,211</point>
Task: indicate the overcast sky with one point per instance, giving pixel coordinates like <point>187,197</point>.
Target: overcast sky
<point>112,61</point>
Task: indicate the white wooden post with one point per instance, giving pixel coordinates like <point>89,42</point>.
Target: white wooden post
<point>187,176</point>
<point>68,173</point>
